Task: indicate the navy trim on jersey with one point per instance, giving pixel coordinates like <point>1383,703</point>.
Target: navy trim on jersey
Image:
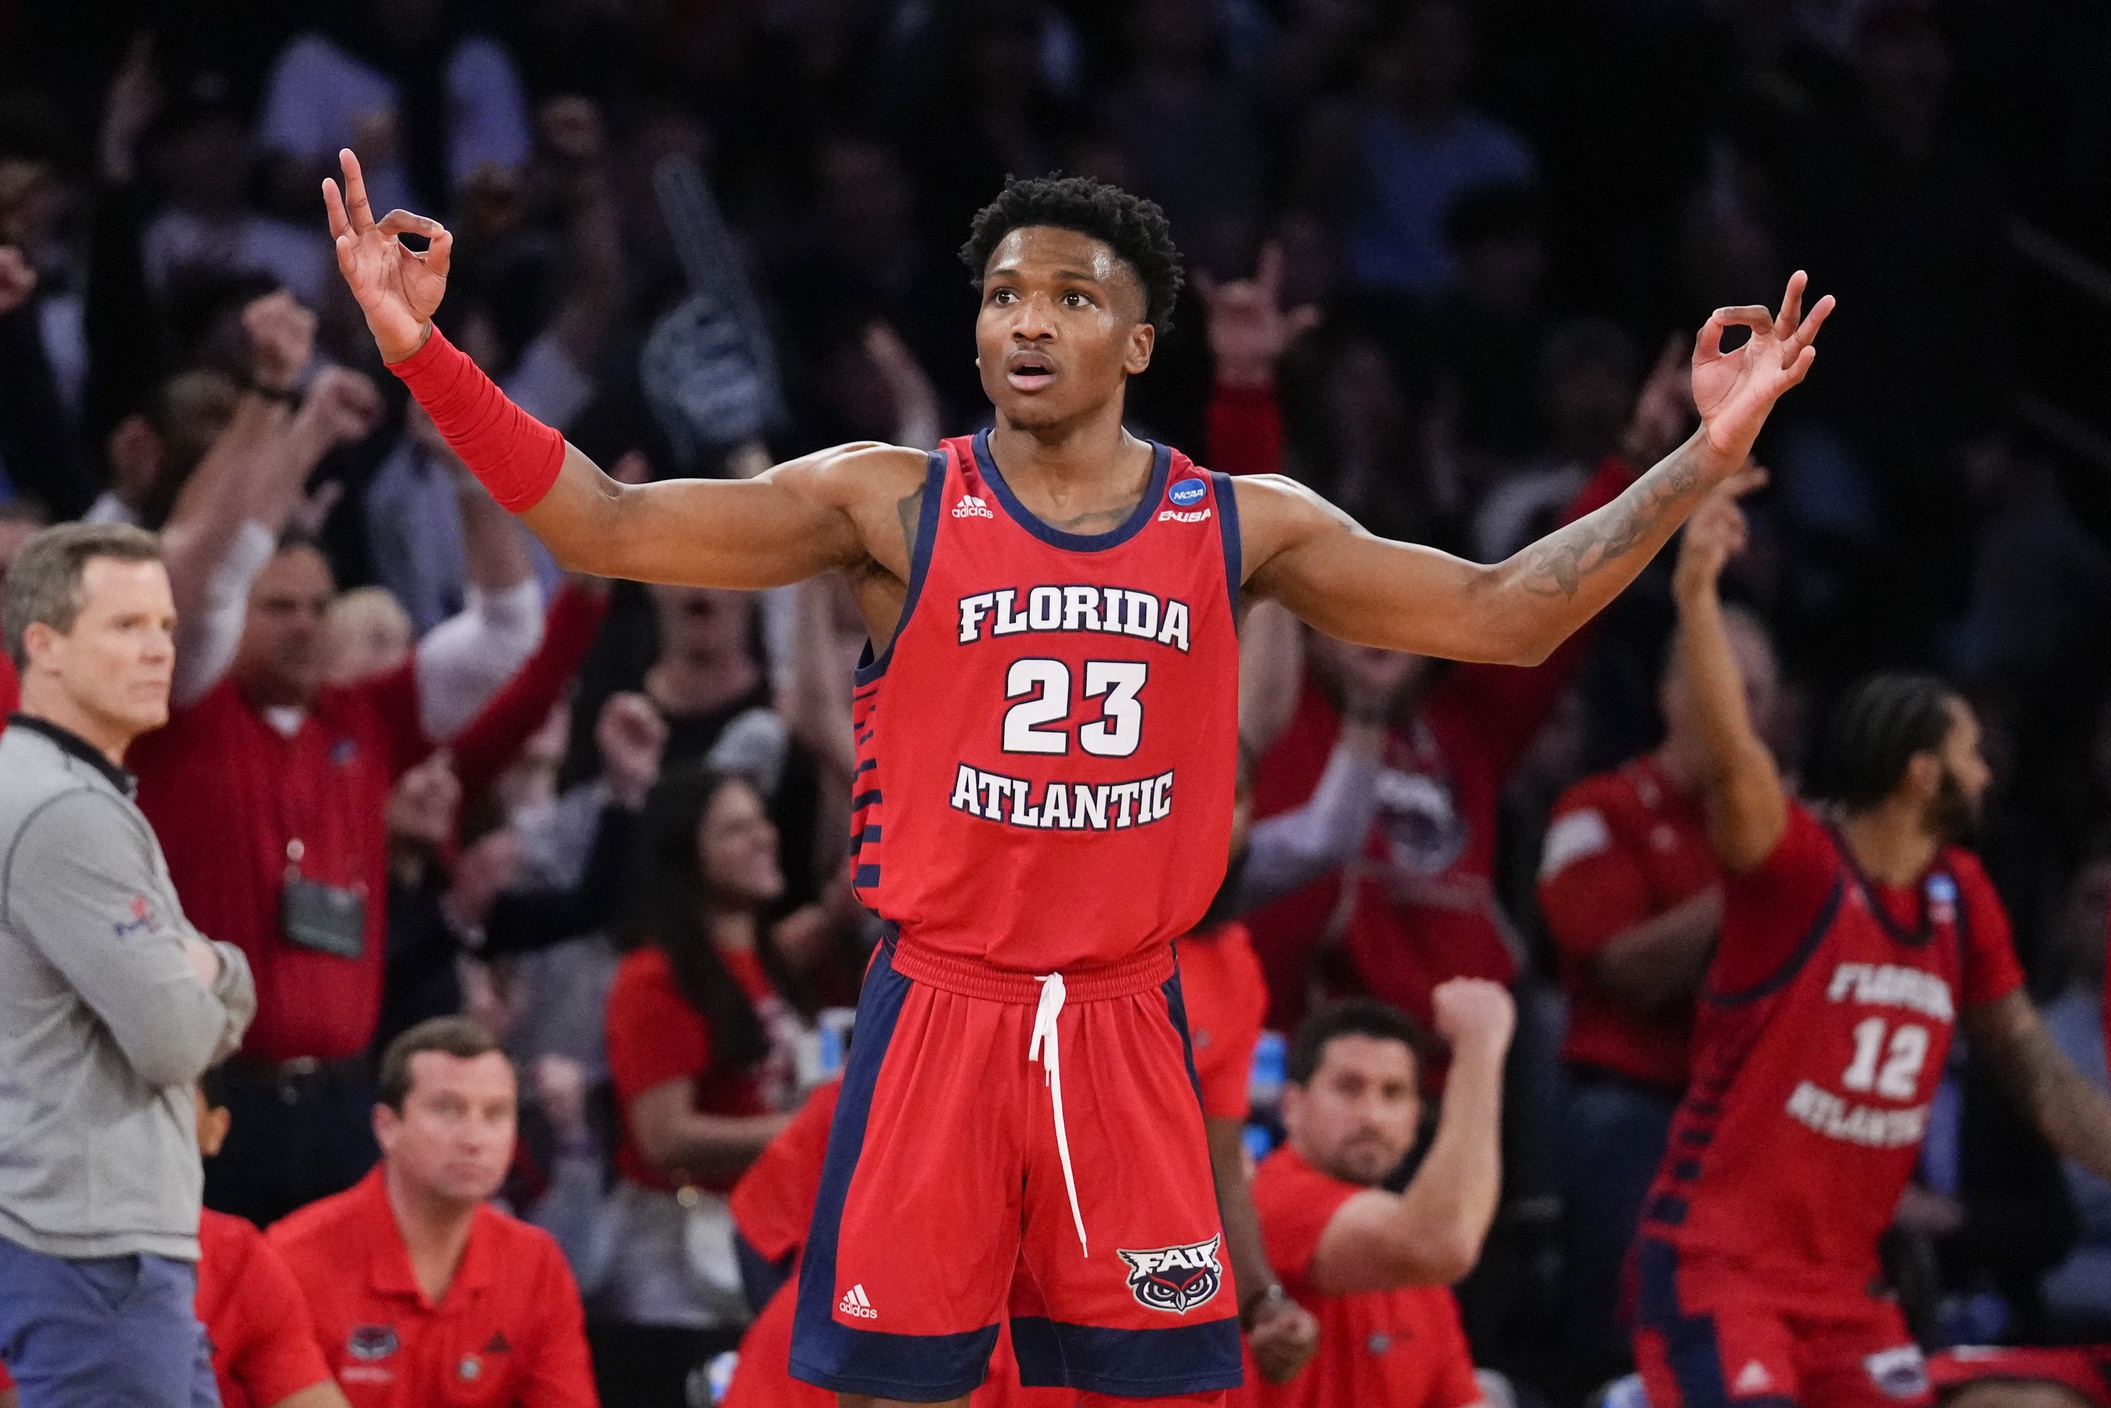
<point>1170,1363</point>
<point>1146,508</point>
<point>869,669</point>
<point>1796,960</point>
<point>915,1368</point>
<point>1228,526</point>
<point>1692,1351</point>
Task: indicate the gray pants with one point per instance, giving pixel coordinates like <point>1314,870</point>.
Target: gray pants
<point>111,1332</point>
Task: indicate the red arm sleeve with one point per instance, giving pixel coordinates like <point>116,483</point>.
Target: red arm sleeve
<point>560,1371</point>
<point>1245,430</point>
<point>277,1354</point>
<point>1591,884</point>
<point>1506,705</point>
<point>515,456</point>
<point>1769,911</point>
<point>488,743</point>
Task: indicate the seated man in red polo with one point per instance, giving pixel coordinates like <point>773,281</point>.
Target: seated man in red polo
<point>1373,1265</point>
<point>422,1292</point>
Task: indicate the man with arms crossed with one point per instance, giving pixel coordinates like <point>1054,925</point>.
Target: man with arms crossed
<point>1854,940</point>
<point>1047,756</point>
<point>111,1005</point>
<point>1376,1266</point>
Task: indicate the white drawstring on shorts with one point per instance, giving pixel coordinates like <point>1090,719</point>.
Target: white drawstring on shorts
<point>1045,1031</point>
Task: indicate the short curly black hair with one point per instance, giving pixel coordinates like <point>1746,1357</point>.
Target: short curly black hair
<point>1133,227</point>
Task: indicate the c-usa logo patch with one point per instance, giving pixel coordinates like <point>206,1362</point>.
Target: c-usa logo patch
<point>1175,1279</point>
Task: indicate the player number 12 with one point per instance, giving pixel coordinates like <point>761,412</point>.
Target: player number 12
<point>1900,1077</point>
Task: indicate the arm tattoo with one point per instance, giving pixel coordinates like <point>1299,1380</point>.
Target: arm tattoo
<point>909,508</point>
<point>2072,1113</point>
<point>1646,514</point>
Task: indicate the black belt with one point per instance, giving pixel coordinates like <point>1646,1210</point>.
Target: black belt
<point>299,1078</point>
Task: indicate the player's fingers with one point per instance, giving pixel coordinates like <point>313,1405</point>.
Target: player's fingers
<point>440,253</point>
<point>1800,368</point>
<point>356,206</point>
<point>1791,305</point>
<point>1808,331</point>
<point>404,222</point>
<point>334,207</point>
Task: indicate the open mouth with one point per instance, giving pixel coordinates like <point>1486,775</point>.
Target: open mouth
<point>1029,373</point>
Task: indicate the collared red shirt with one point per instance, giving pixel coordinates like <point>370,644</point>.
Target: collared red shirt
<point>508,1333</point>
<point>262,1337</point>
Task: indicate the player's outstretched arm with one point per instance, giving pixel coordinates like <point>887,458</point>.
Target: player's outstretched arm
<point>792,522</point>
<point>1315,560</point>
<point>2071,1112</point>
<point>1431,1234</point>
<point>1747,805</point>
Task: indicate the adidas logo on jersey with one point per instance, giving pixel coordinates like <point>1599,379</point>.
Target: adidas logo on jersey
<point>1753,1378</point>
<point>854,1303</point>
<point>971,507</point>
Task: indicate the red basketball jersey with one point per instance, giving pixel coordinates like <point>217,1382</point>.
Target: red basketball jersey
<point>1812,1084</point>
<point>1046,752</point>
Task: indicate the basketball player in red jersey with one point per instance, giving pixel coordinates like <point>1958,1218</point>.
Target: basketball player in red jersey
<point>1853,941</point>
<point>1043,802</point>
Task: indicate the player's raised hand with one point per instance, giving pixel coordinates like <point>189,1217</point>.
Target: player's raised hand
<point>1734,391</point>
<point>1716,533</point>
<point>1249,329</point>
<point>398,288</point>
<point>1474,1013</point>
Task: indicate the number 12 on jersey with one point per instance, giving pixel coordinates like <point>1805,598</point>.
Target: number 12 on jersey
<point>1902,1056</point>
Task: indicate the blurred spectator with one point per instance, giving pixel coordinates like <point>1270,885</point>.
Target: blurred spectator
<point>1187,127</point>
<point>2078,1291</point>
<point>703,1056</point>
<point>369,632</point>
<point>19,522</point>
<point>299,771</point>
<point>1488,328</point>
<point>1375,1266</point>
<point>1632,893</point>
<point>203,160</point>
<point>419,1287</point>
<point>1408,148</point>
<point>427,107</point>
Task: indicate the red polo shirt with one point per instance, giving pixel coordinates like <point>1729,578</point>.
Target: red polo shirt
<point>1403,1348</point>
<point>509,1333</point>
<point>1622,848</point>
<point>263,1338</point>
<point>1227,999</point>
<point>227,792</point>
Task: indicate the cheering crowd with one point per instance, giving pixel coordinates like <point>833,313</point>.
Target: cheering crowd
<point>525,933</point>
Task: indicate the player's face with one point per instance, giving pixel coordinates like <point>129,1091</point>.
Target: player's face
<point>1965,776</point>
<point>116,662</point>
<point>1358,1116</point>
<point>737,848</point>
<point>1061,327</point>
<point>454,1139</point>
<point>285,642</point>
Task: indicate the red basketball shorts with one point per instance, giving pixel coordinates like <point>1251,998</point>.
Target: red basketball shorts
<point>944,1203</point>
<point>1712,1333</point>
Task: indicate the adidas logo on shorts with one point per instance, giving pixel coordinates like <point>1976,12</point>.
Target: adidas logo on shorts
<point>971,507</point>
<point>854,1303</point>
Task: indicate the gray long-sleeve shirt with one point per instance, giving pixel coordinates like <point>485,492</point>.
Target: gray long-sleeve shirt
<point>103,1023</point>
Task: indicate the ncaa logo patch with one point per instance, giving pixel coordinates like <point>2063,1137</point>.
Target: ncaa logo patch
<point>1898,1373</point>
<point>1187,491</point>
<point>1175,1279</point>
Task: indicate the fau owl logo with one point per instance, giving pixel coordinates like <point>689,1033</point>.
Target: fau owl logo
<point>1175,1279</point>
